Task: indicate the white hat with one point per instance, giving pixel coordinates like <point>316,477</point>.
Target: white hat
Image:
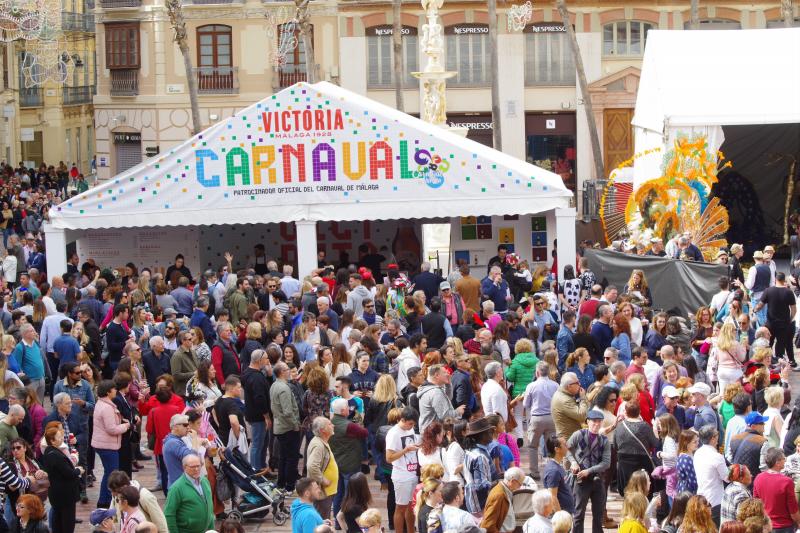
<point>700,388</point>
<point>669,392</point>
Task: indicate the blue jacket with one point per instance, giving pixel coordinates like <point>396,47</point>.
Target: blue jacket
<point>173,452</point>
<point>78,418</point>
<point>495,293</point>
<point>200,320</point>
<point>603,334</point>
<point>565,345</point>
<point>304,517</point>
<point>462,392</point>
<point>622,342</point>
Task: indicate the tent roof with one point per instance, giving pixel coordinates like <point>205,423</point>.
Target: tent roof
<point>719,77</point>
<point>315,152</point>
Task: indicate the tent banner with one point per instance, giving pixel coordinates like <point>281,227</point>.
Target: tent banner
<point>318,145</point>
<point>674,284</point>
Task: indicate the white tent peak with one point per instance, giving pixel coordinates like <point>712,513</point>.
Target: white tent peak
<point>315,152</point>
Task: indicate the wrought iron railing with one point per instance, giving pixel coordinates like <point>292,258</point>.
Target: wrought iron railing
<point>217,80</point>
<point>124,82</point>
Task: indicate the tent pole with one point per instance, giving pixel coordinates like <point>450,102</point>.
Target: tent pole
<point>565,233</point>
<point>306,232</point>
<point>56,256</point>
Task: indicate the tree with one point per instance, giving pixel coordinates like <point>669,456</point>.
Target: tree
<point>175,12</point>
<point>301,15</point>
<point>397,51</point>
<point>787,12</point>
<point>497,137</point>
<point>694,15</point>
<point>597,154</point>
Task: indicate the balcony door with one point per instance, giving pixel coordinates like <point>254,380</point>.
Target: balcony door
<point>215,64</point>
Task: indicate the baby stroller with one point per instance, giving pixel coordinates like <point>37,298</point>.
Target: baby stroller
<point>260,496</point>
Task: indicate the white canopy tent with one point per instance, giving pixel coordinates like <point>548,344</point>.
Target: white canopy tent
<point>699,81</point>
<point>314,153</point>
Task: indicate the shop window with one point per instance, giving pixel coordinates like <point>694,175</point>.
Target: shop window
<point>467,48</point>
<point>550,144</point>
<point>548,58</point>
<point>625,38</point>
<point>779,23</point>
<point>380,57</point>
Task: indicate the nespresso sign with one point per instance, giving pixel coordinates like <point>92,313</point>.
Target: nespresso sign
<point>546,28</point>
<point>388,29</point>
<point>127,138</point>
<point>467,29</point>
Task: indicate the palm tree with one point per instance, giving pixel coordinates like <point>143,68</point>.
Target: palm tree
<point>175,12</point>
<point>694,15</point>
<point>302,18</point>
<point>787,12</point>
<point>497,138</point>
<point>397,52</point>
<point>597,154</point>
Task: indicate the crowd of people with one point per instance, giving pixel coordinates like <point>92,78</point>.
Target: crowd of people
<point>456,392</point>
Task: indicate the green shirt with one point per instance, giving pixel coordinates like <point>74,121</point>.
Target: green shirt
<point>7,434</point>
<point>186,510</point>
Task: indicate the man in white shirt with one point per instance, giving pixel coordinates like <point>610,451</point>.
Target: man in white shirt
<point>289,285</point>
<point>711,470</point>
<point>402,444</point>
<point>719,300</point>
<point>452,517</point>
<point>493,396</point>
<point>542,507</point>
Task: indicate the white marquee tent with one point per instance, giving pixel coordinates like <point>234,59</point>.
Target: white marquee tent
<point>314,153</point>
<point>698,81</point>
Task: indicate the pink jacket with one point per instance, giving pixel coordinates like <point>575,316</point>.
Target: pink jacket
<point>108,426</point>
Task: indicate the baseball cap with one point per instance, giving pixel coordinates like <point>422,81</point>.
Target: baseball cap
<point>754,418</point>
<point>444,286</point>
<point>177,420</point>
<point>700,388</point>
<point>670,392</point>
<point>170,311</point>
<point>594,414</point>
<point>99,515</point>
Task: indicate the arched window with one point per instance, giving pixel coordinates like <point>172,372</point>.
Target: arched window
<point>625,38</point>
<point>215,73</point>
<point>467,48</point>
<point>380,56</point>
<point>548,58</point>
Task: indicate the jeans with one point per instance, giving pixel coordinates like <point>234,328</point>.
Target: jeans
<point>344,479</point>
<point>289,444</point>
<point>259,434</point>
<point>110,460</point>
<point>594,491</point>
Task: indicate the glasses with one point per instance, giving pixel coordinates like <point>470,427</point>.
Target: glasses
<point>170,327</point>
<point>272,286</point>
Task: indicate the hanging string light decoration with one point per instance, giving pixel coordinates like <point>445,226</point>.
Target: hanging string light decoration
<point>287,43</point>
<point>519,16</point>
<point>275,17</point>
<point>45,61</point>
<point>21,20</point>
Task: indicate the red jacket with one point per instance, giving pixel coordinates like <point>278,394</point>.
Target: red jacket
<point>158,423</point>
<point>150,403</point>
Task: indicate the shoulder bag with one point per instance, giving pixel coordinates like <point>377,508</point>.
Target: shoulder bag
<point>646,451</point>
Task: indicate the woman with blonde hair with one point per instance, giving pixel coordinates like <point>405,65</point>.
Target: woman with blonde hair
<point>727,356</point>
<point>429,496</point>
<point>697,518</point>
<point>562,522</point>
<point>300,340</point>
<point>774,425</point>
<point>370,521</point>
<point>252,342</point>
<point>578,362</point>
<point>384,399</point>
<point>200,346</point>
<point>638,289</point>
<point>634,509</point>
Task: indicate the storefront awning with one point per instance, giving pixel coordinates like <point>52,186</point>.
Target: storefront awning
<point>315,152</point>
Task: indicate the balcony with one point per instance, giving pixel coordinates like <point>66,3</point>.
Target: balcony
<point>217,80</point>
<point>287,79</point>
<point>81,22</point>
<point>77,95</point>
<point>125,82</point>
<point>111,4</point>
<point>33,97</point>
<point>208,2</point>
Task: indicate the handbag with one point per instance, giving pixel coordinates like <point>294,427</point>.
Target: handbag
<point>40,487</point>
<point>240,443</point>
<point>646,451</point>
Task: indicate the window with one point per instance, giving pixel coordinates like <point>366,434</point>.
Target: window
<point>380,56</point>
<point>467,48</point>
<point>78,147</point>
<point>214,48</point>
<point>122,46</point>
<point>625,38</point>
<point>548,58</point>
<point>779,23</point>
<point>294,68</point>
